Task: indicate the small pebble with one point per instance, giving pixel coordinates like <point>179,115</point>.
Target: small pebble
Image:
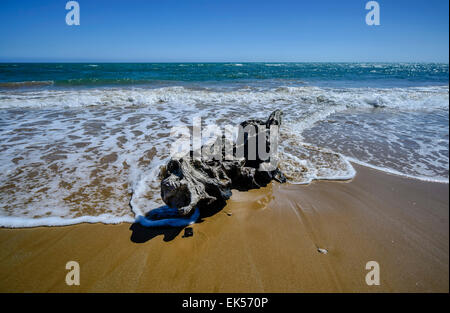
<point>323,251</point>
<point>229,213</point>
<point>188,232</point>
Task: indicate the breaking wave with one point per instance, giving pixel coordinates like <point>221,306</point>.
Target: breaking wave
<point>394,98</point>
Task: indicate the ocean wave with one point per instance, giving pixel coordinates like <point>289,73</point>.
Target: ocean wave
<point>26,84</point>
<point>413,98</point>
<point>93,82</point>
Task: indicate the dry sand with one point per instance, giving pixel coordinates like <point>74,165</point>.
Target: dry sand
<point>264,240</point>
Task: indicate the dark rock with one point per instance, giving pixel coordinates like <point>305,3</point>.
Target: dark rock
<point>190,182</point>
<point>188,232</point>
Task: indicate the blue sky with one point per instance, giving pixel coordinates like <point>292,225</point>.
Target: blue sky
<point>218,30</point>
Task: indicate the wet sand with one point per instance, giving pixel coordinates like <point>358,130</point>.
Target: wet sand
<point>264,240</point>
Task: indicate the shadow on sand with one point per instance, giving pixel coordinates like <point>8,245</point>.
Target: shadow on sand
<point>141,234</point>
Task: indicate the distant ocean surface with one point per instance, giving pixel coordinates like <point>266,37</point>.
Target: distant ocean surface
<point>229,74</point>
<point>84,142</point>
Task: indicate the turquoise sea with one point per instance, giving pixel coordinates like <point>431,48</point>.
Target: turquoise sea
<point>154,74</point>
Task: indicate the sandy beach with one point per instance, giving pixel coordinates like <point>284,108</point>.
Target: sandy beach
<point>264,240</point>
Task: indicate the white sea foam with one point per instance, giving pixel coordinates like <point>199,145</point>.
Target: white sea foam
<point>22,222</point>
<point>397,173</point>
<point>93,155</point>
<point>401,98</point>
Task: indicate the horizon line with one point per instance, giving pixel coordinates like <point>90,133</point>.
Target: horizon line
<point>211,62</point>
